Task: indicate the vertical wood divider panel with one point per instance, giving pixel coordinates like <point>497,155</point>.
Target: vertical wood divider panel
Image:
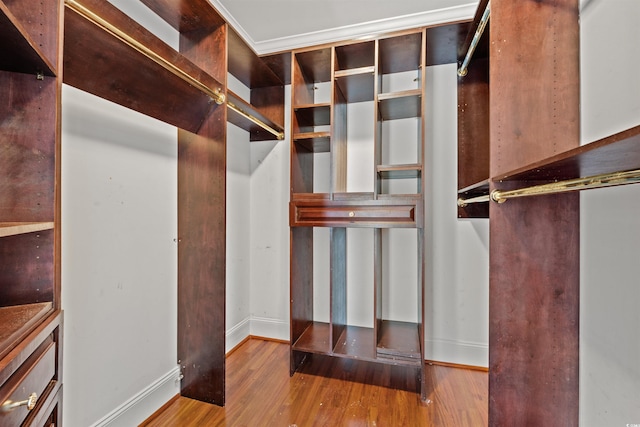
<point>202,232</point>
<point>534,251</point>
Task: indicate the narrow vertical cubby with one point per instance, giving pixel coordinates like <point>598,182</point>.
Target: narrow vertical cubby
<point>29,167</point>
<point>399,114</point>
<point>310,120</point>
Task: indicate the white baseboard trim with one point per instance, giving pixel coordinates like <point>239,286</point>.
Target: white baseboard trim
<point>237,334</point>
<point>139,407</point>
<point>270,328</point>
<point>457,352</point>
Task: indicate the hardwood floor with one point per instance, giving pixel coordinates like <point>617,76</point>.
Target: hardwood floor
<point>261,393</point>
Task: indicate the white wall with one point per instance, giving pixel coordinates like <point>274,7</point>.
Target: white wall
<point>119,220</point>
<point>610,223</point>
<point>270,236</point>
<point>119,257</point>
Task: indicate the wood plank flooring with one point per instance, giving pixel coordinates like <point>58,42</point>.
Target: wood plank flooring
<point>331,392</point>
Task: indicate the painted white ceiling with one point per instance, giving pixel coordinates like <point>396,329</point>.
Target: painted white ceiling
<point>277,25</point>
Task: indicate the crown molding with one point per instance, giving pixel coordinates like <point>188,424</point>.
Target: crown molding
<point>350,32</point>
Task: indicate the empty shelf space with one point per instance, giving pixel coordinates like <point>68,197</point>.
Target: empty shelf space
<point>315,339</point>
<point>313,115</point>
<point>18,51</point>
<point>15,228</point>
<point>399,171</point>
<point>400,105</point>
<point>399,341</point>
<point>355,56</point>
<point>16,321</point>
<point>357,85</point>
<point>401,53</point>
<point>317,142</point>
<point>356,343</point>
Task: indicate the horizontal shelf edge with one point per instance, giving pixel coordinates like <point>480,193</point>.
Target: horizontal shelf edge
<point>16,228</point>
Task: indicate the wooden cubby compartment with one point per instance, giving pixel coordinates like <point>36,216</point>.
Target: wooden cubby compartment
<point>311,120</point>
<point>29,162</point>
<point>400,126</point>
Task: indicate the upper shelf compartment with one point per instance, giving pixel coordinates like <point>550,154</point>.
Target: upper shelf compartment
<point>355,71</point>
<point>27,40</point>
<point>154,80</point>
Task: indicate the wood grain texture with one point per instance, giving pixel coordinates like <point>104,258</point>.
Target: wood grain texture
<point>202,232</point>
<point>534,251</point>
<point>98,63</point>
<point>332,392</point>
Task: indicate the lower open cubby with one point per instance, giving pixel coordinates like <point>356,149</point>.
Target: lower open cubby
<point>356,293</point>
<point>398,343</point>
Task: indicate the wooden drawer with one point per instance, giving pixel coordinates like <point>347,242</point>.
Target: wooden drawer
<point>35,375</point>
<point>364,213</point>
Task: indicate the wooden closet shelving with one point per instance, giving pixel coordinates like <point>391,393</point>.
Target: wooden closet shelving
<point>100,63</point>
<point>525,135</point>
<point>355,72</point>
<point>30,315</point>
<point>186,88</point>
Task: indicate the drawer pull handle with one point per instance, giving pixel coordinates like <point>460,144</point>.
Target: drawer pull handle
<point>352,214</point>
<point>30,403</point>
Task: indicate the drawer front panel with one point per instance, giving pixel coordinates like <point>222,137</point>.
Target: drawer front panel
<point>32,377</point>
<point>382,216</point>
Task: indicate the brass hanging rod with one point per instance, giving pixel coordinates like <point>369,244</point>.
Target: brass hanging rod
<point>216,95</point>
<point>590,182</point>
<point>462,71</point>
<point>257,121</point>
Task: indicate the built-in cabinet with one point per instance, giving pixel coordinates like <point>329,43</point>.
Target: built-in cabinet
<point>387,195</point>
<point>30,315</point>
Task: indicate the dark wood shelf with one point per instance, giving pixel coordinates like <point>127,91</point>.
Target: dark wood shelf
<point>357,85</point>
<point>399,171</point>
<point>399,342</point>
<point>311,115</point>
<point>315,339</point>
<point>400,105</point>
<point>18,320</point>
<point>357,342</point>
<point>97,62</point>
<point>240,120</point>
<point>18,51</point>
<point>615,153</point>
<point>317,142</point>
